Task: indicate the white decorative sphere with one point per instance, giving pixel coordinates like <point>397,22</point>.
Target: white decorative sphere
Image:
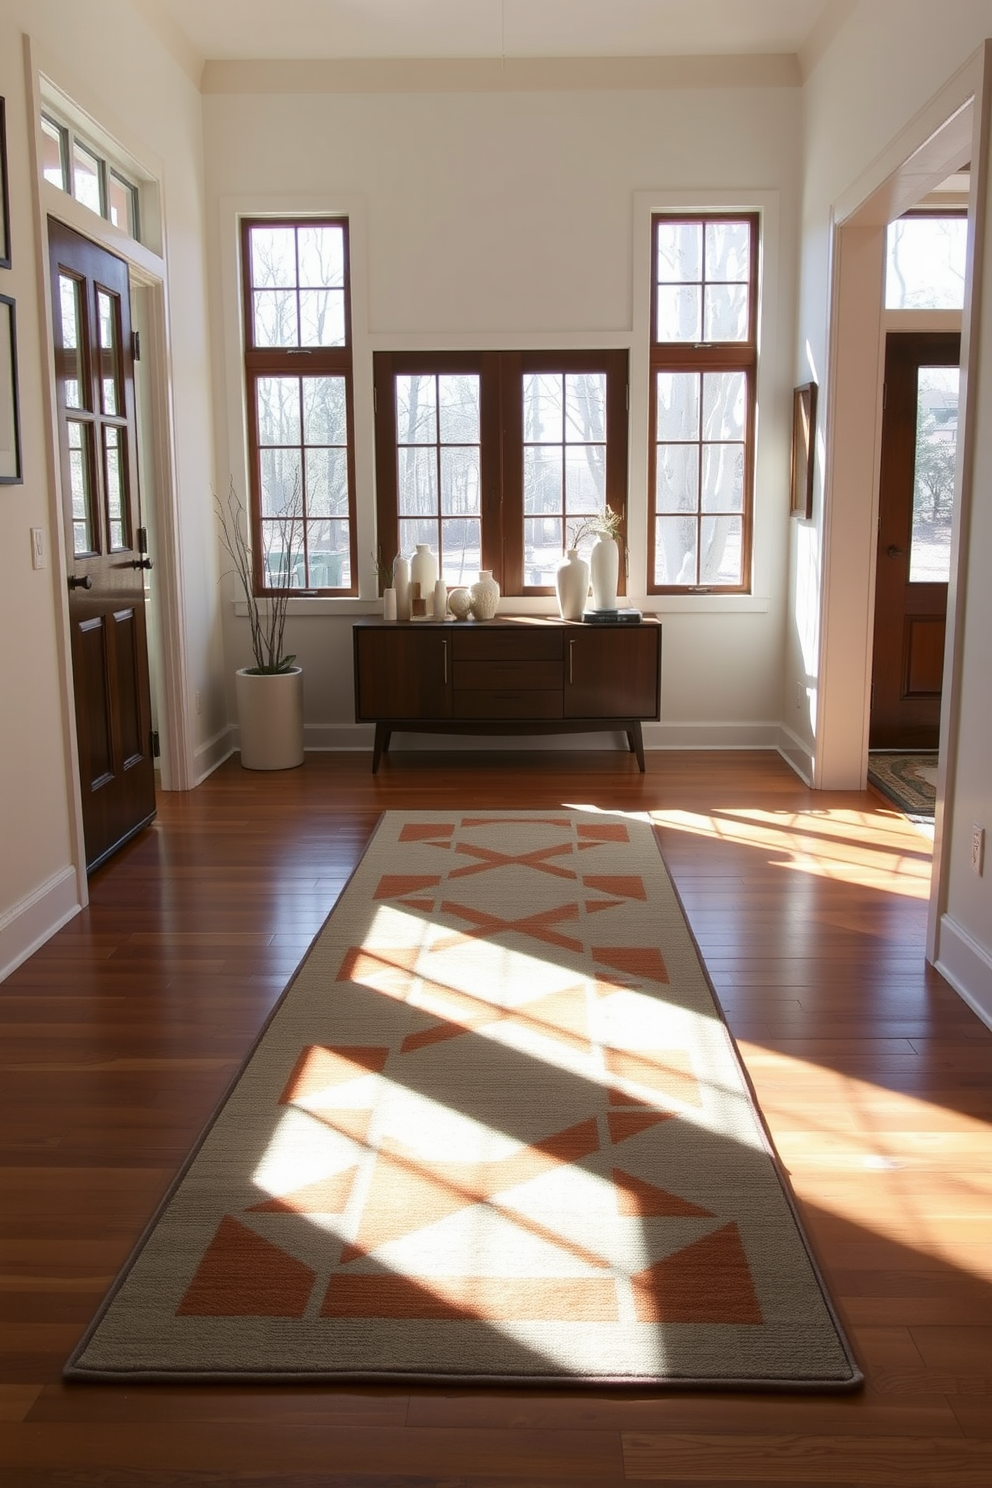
<point>460,603</point>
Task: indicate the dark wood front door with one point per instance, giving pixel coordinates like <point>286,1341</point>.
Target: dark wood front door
<point>916,496</point>
<point>105,561</point>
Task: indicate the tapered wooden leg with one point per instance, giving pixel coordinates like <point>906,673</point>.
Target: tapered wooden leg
<point>380,745</point>
<point>636,742</point>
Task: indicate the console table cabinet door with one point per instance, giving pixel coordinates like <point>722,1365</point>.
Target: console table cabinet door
<point>613,672</point>
<point>402,673</point>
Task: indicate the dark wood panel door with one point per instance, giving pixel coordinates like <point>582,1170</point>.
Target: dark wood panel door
<point>403,672</point>
<point>916,494</point>
<point>612,671</point>
<point>105,555</point>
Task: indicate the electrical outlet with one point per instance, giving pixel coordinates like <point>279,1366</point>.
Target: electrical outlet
<point>38,559</point>
<point>800,694</point>
<point>198,702</point>
<point>977,848</point>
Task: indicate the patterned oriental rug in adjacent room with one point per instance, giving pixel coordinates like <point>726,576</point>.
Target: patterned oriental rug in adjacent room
<point>496,1131</point>
<point>908,780</point>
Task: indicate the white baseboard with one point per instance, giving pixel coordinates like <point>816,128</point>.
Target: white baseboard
<point>798,755</point>
<point>213,752</point>
<point>710,735</point>
<point>30,923</point>
<point>967,966</point>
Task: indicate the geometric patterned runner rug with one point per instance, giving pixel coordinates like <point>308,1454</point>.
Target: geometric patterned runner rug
<point>496,1131</point>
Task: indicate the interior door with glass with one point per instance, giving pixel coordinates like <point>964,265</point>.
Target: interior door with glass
<point>105,557</point>
<point>916,500</point>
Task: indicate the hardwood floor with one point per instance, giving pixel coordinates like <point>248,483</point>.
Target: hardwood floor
<point>121,1033</point>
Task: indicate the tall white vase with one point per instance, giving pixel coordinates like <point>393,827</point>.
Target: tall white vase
<point>604,572</point>
<point>401,583</point>
<point>270,718</point>
<point>572,585</point>
<point>423,571</point>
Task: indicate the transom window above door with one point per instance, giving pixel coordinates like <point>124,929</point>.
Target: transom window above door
<point>77,166</point>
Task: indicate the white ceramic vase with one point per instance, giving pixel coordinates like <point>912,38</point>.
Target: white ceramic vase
<point>572,585</point>
<point>440,599</point>
<point>389,604</point>
<point>270,718</point>
<point>423,571</point>
<point>401,583</point>
<point>485,595</point>
<point>604,572</point>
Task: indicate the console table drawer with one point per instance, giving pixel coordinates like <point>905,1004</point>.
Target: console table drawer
<point>507,702</point>
<point>473,674</point>
<point>476,642</point>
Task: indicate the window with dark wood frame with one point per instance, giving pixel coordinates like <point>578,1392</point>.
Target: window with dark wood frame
<point>703,365</point>
<point>300,404</point>
<point>496,458</point>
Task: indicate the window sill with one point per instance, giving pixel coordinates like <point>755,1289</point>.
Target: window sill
<point>653,604</point>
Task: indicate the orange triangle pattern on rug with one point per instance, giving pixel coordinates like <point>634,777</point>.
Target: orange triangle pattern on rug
<point>495,1131</point>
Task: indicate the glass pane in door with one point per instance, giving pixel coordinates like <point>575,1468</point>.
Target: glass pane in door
<point>933,484</point>
<point>69,355</point>
<point>109,355</point>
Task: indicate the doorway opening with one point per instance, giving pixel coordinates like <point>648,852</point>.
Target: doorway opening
<point>925,271</point>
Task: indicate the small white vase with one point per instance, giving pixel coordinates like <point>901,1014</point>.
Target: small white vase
<point>440,599</point>
<point>270,718</point>
<point>389,604</point>
<point>401,583</point>
<point>485,595</point>
<point>572,585</point>
<point>423,571</point>
<point>604,572</point>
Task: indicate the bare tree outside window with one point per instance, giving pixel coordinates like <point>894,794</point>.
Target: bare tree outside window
<point>703,358</point>
<point>299,372</point>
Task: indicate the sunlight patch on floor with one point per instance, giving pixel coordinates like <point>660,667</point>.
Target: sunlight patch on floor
<point>841,845</point>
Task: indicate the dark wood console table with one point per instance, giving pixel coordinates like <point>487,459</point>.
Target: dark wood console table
<point>513,675</point>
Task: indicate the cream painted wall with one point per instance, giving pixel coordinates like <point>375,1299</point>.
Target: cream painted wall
<point>35,852</point>
<point>105,59</point>
<point>508,218</point>
<point>878,75</point>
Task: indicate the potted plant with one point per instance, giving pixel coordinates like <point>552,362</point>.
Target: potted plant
<point>270,693</point>
<point>384,578</point>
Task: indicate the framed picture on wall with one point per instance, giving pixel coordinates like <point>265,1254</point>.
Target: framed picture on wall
<point>803,435</point>
<point>10,433</point>
<point>4,193</point>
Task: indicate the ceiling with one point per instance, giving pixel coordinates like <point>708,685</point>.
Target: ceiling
<point>338,29</point>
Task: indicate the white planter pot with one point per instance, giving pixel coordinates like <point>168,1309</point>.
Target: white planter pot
<point>270,718</point>
<point>572,585</point>
<point>604,572</point>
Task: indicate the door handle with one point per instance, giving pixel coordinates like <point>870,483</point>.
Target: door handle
<point>571,654</point>
<point>444,660</point>
<point>141,563</point>
<point>84,583</point>
<point>893,552</point>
